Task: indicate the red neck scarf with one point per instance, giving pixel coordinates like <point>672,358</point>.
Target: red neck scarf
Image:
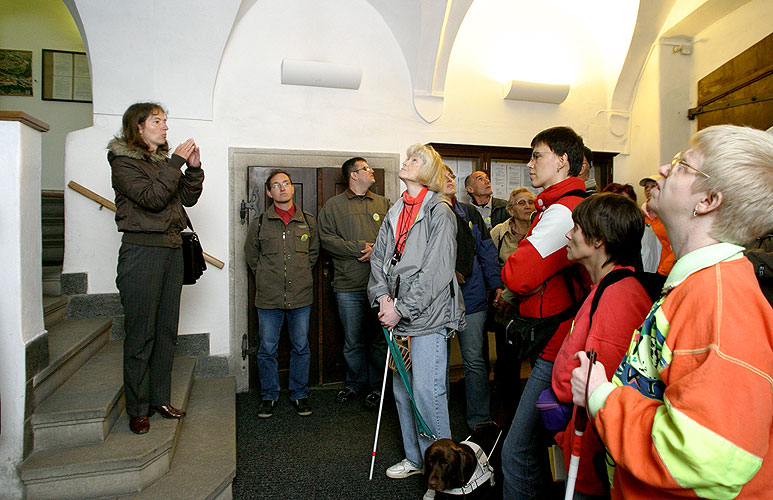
<point>407,217</point>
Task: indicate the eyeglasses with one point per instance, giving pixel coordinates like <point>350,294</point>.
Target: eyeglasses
<point>523,203</point>
<point>277,185</point>
<point>536,155</point>
<point>679,160</point>
<point>367,168</point>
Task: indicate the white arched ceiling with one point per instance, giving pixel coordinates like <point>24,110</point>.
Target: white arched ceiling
<point>139,50</point>
<point>425,31</point>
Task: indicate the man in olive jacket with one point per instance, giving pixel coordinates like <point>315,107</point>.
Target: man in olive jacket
<point>282,247</point>
<point>348,226</point>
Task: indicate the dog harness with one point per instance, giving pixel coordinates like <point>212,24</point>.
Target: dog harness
<point>483,472</point>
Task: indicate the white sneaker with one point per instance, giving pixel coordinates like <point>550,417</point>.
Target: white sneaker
<point>429,495</point>
<point>403,468</point>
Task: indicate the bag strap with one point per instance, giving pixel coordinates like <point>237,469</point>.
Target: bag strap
<point>421,424</point>
<point>188,219</point>
<point>574,192</point>
<point>610,278</point>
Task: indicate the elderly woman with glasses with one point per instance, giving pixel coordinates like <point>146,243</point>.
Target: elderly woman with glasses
<point>509,233</point>
<point>689,411</point>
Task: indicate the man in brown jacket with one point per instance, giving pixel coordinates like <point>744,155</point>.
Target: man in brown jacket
<point>281,248</point>
<point>348,226</point>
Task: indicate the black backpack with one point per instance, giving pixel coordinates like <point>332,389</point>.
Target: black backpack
<point>465,244</point>
<point>760,253</point>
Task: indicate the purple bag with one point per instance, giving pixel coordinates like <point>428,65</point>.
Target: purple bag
<point>555,414</point>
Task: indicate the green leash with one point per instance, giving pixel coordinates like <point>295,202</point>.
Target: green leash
<point>421,425</point>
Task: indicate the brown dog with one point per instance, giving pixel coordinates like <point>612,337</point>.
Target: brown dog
<point>448,464</point>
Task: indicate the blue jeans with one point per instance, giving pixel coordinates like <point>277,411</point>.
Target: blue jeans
<point>269,325</point>
<point>427,376</point>
<point>364,343</point>
<point>476,388</point>
<point>523,476</point>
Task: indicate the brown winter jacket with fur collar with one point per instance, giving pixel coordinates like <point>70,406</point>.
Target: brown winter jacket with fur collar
<point>150,192</point>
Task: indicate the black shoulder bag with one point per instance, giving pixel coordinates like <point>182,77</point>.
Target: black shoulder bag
<point>527,336</point>
<point>193,255</point>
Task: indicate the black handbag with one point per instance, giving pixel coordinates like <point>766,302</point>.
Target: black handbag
<point>194,264</point>
<point>529,336</point>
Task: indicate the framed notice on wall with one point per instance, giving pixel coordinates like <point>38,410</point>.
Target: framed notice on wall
<point>66,76</point>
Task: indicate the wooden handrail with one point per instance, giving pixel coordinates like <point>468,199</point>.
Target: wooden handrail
<point>88,193</point>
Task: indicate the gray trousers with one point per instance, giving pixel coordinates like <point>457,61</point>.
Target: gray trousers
<point>149,281</point>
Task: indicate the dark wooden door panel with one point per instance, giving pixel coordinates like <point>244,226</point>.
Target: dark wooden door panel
<point>740,92</point>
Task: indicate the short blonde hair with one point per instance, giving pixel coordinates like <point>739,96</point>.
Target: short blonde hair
<point>739,162</point>
<point>431,173</point>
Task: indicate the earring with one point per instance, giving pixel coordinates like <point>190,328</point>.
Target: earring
<point>695,212</point>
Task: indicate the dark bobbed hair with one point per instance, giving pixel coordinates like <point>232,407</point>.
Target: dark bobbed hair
<point>273,173</point>
<point>134,116</point>
<point>617,222</point>
<point>349,166</point>
<point>562,140</point>
<point>624,189</point>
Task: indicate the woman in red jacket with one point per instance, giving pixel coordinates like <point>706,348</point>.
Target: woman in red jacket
<point>606,238</point>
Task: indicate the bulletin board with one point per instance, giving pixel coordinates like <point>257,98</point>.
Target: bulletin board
<point>66,76</point>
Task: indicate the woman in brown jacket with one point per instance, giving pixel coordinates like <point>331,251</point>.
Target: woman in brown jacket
<point>150,191</point>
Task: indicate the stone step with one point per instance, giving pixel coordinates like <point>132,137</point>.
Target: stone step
<point>52,228</point>
<point>204,464</point>
<point>54,309</point>
<point>86,406</point>
<point>70,344</point>
<point>124,463</point>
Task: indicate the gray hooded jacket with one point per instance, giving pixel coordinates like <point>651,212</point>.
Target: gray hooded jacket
<point>428,298</point>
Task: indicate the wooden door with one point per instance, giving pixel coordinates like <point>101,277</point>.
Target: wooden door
<point>740,92</point>
<point>313,187</point>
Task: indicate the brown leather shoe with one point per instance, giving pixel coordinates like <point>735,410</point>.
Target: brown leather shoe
<point>139,425</point>
<point>166,411</point>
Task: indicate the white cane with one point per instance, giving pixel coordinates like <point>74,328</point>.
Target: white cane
<point>380,408</point>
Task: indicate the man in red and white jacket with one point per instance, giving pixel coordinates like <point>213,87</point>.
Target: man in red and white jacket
<point>535,274</point>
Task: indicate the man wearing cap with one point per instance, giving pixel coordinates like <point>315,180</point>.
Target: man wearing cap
<point>348,226</point>
<point>651,218</point>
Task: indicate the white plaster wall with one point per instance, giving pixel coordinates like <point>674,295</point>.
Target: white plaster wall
<point>21,310</point>
<point>35,25</point>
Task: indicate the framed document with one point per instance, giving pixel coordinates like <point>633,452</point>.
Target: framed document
<point>66,76</point>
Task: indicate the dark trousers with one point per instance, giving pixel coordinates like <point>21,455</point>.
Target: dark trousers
<point>150,281</point>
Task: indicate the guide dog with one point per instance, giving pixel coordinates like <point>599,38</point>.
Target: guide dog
<point>450,466</point>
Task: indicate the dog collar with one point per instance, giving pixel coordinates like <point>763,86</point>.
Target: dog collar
<point>483,472</point>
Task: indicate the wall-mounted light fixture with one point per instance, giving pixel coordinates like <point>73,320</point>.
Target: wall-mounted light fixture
<point>321,74</point>
<point>536,92</point>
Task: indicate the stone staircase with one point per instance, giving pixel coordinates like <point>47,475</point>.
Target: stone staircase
<point>77,439</point>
